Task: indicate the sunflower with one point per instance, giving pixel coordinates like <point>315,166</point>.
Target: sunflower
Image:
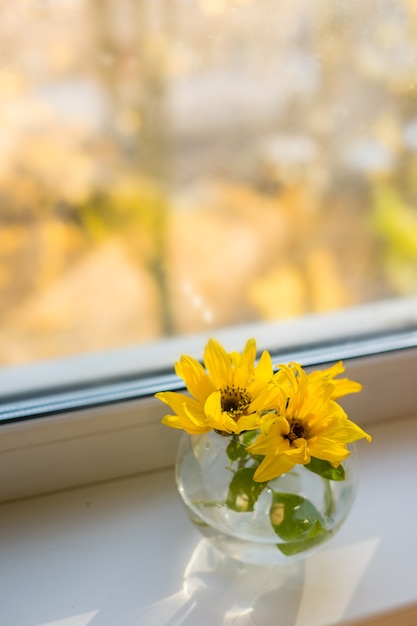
<point>226,395</point>
<point>308,422</point>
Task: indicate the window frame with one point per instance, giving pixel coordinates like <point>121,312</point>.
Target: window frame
<point>98,379</point>
<point>68,447</point>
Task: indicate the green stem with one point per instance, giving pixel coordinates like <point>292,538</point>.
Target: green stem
<point>329,501</point>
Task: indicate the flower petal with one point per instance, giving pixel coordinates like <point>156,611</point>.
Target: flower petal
<point>218,364</point>
<point>263,374</point>
<point>189,412</point>
<point>273,441</point>
<point>212,407</point>
<point>272,467</point>
<point>346,431</point>
<point>264,369</point>
<point>342,387</point>
<point>330,372</point>
<point>177,401</point>
<point>248,422</point>
<point>327,450</point>
<point>216,418</point>
<point>270,397</point>
<point>345,386</point>
<point>195,378</point>
<point>275,464</point>
<point>183,422</point>
<point>245,365</point>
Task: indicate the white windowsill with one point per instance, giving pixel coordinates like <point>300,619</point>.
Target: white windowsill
<point>124,552</point>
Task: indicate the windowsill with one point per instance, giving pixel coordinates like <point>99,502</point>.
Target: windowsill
<point>123,552</point>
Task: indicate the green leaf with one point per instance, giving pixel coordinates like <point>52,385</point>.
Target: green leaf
<point>292,516</point>
<point>249,437</point>
<point>326,469</point>
<point>243,490</point>
<point>296,521</point>
<point>235,450</point>
<point>316,536</point>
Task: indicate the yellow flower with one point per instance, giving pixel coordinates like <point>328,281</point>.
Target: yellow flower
<point>308,423</point>
<point>226,395</point>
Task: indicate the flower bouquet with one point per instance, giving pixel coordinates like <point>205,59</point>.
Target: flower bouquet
<point>264,468</point>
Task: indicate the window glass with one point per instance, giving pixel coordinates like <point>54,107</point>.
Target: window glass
<point>176,166</point>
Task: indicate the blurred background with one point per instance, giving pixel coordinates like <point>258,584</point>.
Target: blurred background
<point>176,166</point>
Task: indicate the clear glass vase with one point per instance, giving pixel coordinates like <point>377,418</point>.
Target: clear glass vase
<point>260,523</point>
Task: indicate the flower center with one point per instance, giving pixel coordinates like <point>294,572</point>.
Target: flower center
<point>297,430</point>
<point>235,401</point>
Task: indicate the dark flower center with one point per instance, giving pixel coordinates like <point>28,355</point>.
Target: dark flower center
<point>235,401</point>
<point>297,429</point>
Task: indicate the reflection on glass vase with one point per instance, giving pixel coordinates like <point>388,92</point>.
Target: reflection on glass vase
<point>261,523</point>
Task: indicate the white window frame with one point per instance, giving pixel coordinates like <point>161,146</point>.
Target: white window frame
<point>68,448</point>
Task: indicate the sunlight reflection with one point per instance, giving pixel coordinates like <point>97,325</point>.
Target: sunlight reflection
<point>82,619</point>
<point>237,613</point>
<point>303,592</point>
<point>227,588</point>
<point>323,602</point>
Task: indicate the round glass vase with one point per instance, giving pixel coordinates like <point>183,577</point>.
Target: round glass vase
<point>260,523</point>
